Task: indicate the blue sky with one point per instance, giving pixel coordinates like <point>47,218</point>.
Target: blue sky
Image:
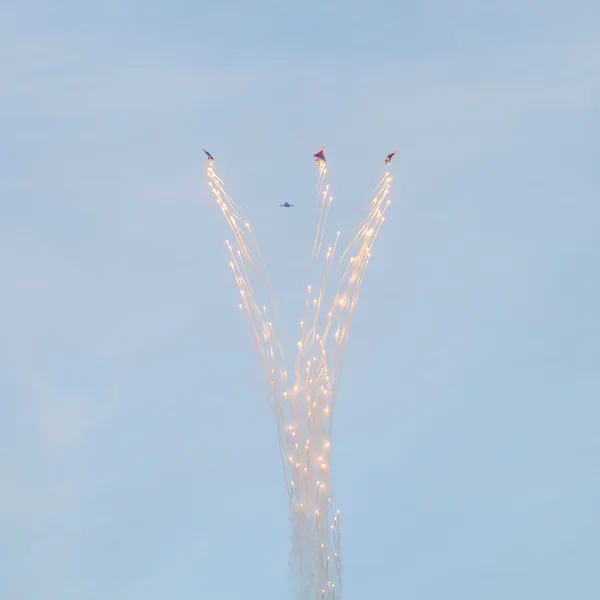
<point>138,458</point>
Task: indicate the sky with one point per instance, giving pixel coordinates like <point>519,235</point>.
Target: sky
<point>138,454</point>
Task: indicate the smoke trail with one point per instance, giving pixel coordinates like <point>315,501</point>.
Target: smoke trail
<point>303,407</point>
<point>325,205</point>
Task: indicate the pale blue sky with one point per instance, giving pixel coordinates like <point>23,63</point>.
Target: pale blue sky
<point>139,458</point>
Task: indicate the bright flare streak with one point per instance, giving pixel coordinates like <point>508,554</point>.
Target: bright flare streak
<point>303,410</point>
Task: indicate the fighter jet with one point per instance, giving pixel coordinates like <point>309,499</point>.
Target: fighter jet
<point>388,159</point>
<point>208,154</point>
<point>286,205</point>
<point>320,155</point>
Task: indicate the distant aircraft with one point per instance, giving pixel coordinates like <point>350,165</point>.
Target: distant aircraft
<point>208,154</point>
<point>320,155</point>
<point>286,204</point>
<point>388,159</point>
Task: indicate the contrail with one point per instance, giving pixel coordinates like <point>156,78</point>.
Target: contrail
<point>302,404</point>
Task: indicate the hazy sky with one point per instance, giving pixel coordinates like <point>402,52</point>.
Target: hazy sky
<point>138,458</point>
